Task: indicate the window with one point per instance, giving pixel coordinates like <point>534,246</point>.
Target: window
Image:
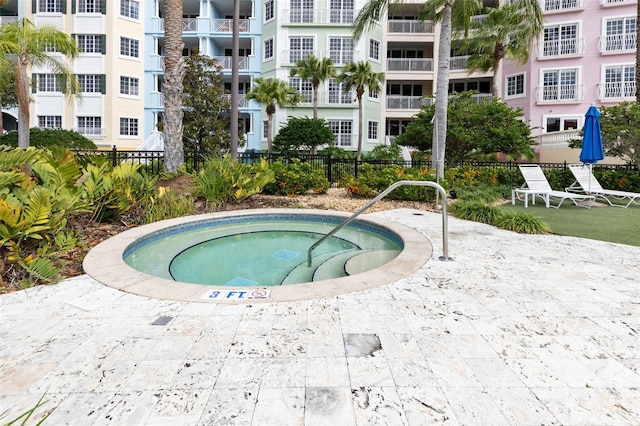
<point>620,34</point>
<point>619,81</point>
<point>341,11</point>
<point>562,123</point>
<point>341,49</point>
<point>300,48</point>
<point>337,94</point>
<point>374,49</point>
<point>372,130</point>
<point>91,83</point>
<point>129,86</point>
<point>48,83</point>
<point>129,47</point>
<point>50,6</point>
<point>265,129</point>
<point>268,49</point>
<point>90,126</point>
<point>301,11</point>
<point>560,85</point>
<point>130,9</point>
<point>550,5</point>
<point>305,87</point>
<point>90,43</point>
<point>515,85</point>
<point>560,40</point>
<point>89,6</point>
<point>375,95</point>
<point>343,131</point>
<point>128,126</point>
<point>268,10</point>
<point>50,121</point>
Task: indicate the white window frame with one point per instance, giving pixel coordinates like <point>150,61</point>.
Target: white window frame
<point>306,48</point>
<point>341,11</point>
<point>304,86</point>
<point>50,121</point>
<point>91,41</point>
<point>130,9</point>
<point>129,47</point>
<point>90,125</point>
<point>373,130</point>
<point>514,77</point>
<point>623,87</point>
<point>560,97</point>
<point>564,118</point>
<point>340,49</point>
<point>265,130</point>
<point>129,86</point>
<point>48,83</point>
<point>624,39</point>
<point>268,48</point>
<point>50,6</point>
<point>339,128</point>
<point>89,6</point>
<point>336,95</point>
<point>557,5</point>
<point>374,49</point>
<point>90,81</point>
<point>561,45</point>
<point>269,10</point>
<point>302,11</point>
<point>131,129</point>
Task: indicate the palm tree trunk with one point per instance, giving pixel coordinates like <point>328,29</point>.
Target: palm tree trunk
<point>269,138</point>
<point>22,92</point>
<point>442,89</point>
<point>360,128</point>
<point>173,77</point>
<point>315,101</point>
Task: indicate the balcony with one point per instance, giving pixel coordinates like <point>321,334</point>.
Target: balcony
<point>410,26</point>
<point>91,132</point>
<point>562,92</point>
<point>226,25</point>
<point>618,90</point>
<point>560,5</point>
<point>557,140</point>
<point>242,100</point>
<point>339,57</point>
<point>618,43</point>
<point>413,64</point>
<point>188,24</point>
<point>555,48</point>
<point>318,16</point>
<point>226,62</point>
<point>615,2</point>
<point>407,102</point>
<point>458,63</point>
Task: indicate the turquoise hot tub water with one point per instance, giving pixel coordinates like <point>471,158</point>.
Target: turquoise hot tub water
<point>262,250</point>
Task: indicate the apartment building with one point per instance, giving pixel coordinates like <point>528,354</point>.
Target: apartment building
<point>585,56</point>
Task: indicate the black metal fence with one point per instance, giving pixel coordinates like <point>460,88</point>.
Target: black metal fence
<point>334,168</point>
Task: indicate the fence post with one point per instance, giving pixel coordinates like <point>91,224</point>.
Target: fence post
<point>355,168</point>
<point>114,159</point>
<point>196,149</point>
<point>330,175</point>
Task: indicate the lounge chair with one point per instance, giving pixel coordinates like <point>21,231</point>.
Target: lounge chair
<point>536,184</point>
<point>587,183</point>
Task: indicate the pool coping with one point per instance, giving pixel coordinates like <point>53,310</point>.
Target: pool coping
<point>105,264</point>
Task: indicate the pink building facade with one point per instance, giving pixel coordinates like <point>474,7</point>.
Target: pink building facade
<point>586,55</point>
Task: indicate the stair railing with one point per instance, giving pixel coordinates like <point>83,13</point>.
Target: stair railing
<point>439,188</point>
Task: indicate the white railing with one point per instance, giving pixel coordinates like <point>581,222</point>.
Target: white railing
<point>156,62</point>
<point>91,131</point>
<point>293,56</point>
<point>562,92</point>
<point>318,16</point>
<point>7,19</point>
<point>458,63</point>
<point>157,99</point>
<point>226,25</point>
<point>557,140</point>
<point>552,5</point>
<point>608,2</point>
<point>407,102</point>
<point>155,142</point>
<point>226,62</point>
<point>242,100</point>
<point>617,90</point>
<point>618,42</point>
<point>413,64</point>
<point>480,97</point>
<point>188,24</point>
<point>572,46</point>
<point>410,26</point>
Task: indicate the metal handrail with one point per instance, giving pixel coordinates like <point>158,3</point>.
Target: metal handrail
<point>445,240</point>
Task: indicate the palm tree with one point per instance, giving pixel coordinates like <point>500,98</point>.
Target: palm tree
<point>316,70</point>
<point>173,90</point>
<point>36,46</point>
<point>360,76</point>
<point>273,93</point>
<point>509,31</point>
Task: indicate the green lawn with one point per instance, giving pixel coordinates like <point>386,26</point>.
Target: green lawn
<point>613,224</point>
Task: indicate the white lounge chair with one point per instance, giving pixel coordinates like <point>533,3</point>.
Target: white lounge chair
<point>536,184</point>
<point>587,183</point>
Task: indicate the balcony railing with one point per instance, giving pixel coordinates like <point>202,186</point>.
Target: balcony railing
<point>242,100</point>
<point>188,24</point>
<point>572,46</point>
<point>7,19</point>
<point>226,25</point>
<point>609,2</point>
<point>458,63</point>
<point>91,131</point>
<point>407,102</point>
<point>318,16</point>
<point>553,5</point>
<point>617,90</point>
<point>410,26</point>
<point>557,140</point>
<point>413,64</point>
<point>339,57</point>
<point>226,62</point>
<point>618,42</point>
<point>562,92</point>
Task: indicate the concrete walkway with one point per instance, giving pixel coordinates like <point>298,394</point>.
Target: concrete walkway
<point>517,330</point>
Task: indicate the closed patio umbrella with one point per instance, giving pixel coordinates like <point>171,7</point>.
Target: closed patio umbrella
<point>592,148</point>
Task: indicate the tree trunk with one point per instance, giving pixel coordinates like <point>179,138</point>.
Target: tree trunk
<point>22,91</point>
<point>638,55</point>
<point>269,138</point>
<point>497,61</point>
<point>442,91</point>
<point>360,127</point>
<point>235,81</point>
<point>173,78</point>
<point>315,101</point>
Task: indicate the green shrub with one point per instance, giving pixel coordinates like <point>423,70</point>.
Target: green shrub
<point>493,215</point>
<point>46,138</point>
<point>167,205</point>
<point>484,192</point>
<point>476,211</point>
<point>223,180</point>
<point>523,223</point>
<point>296,178</point>
<point>619,179</point>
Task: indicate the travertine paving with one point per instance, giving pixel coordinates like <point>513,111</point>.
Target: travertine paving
<point>516,330</point>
